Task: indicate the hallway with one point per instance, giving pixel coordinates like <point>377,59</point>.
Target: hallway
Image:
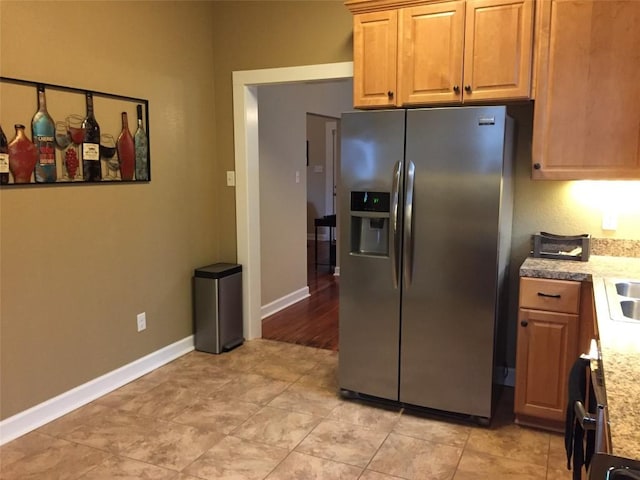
<point>313,321</point>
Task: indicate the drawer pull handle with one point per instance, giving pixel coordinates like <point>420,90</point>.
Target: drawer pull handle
<point>549,295</point>
<point>524,323</point>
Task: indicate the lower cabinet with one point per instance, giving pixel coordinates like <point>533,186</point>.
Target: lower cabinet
<point>548,333</point>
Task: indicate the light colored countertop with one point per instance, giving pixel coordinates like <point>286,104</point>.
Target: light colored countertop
<point>619,341</point>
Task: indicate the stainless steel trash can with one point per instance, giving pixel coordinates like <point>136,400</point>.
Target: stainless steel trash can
<point>218,307</point>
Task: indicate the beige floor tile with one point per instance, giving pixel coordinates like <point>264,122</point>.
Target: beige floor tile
<point>60,460</point>
<point>171,445</point>
<point>72,420</point>
<point>323,375</point>
<point>148,439</point>
<point>511,441</point>
<point>371,475</point>
<point>561,474</point>
<point>413,458</point>
<point>282,429</point>
<point>432,430</point>
<point>557,452</point>
<point>220,416</point>
<point>298,466</point>
<point>251,388</point>
<point>285,369</point>
<point>371,417</point>
<point>277,427</point>
<point>557,464</point>
<point>163,401</point>
<point>126,393</point>
<point>111,430</point>
<point>236,459</point>
<point>342,442</point>
<point>119,468</point>
<point>22,447</point>
<point>474,466</point>
<point>307,399</point>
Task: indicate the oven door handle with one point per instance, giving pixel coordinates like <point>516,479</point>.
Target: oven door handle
<point>587,420</point>
<point>622,473</point>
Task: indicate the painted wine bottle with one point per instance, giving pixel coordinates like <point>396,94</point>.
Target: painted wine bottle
<point>4,158</point>
<point>142,149</point>
<point>91,144</point>
<point>43,132</point>
<point>126,150</point>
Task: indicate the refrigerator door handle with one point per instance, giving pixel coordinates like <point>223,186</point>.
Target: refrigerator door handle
<point>408,225</point>
<point>395,231</point>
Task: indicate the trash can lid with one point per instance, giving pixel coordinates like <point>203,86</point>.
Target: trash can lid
<point>218,270</point>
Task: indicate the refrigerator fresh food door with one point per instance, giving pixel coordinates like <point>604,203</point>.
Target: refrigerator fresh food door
<point>449,292</point>
<point>370,197</point>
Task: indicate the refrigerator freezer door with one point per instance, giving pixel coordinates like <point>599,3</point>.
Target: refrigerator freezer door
<point>372,143</point>
<point>448,309</point>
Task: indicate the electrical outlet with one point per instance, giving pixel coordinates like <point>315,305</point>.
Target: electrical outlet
<point>142,321</point>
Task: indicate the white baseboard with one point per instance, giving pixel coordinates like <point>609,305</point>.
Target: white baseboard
<point>47,411</point>
<point>284,302</point>
<point>499,377</point>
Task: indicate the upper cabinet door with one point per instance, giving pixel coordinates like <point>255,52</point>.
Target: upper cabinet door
<point>430,63</point>
<point>587,112</point>
<point>375,46</point>
<point>498,49</point>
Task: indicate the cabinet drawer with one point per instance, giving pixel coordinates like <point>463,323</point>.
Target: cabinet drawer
<point>550,295</point>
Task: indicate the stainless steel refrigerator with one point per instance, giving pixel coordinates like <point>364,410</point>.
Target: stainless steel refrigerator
<point>425,230</point>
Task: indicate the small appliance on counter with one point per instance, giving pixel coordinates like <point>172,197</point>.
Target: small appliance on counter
<point>562,247</point>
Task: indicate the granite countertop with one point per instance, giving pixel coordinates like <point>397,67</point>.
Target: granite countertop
<point>619,341</point>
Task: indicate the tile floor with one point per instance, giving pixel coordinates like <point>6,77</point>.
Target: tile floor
<point>269,410</point>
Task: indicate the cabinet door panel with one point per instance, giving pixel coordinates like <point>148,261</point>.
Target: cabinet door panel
<point>431,43</point>
<point>375,45</point>
<point>498,49</point>
<point>588,101</point>
<point>547,347</point>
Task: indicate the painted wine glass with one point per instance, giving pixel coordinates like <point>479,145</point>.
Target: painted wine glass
<point>69,157</point>
<point>76,134</point>
<point>108,156</point>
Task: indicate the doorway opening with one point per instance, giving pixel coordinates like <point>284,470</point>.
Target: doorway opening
<point>246,138</point>
<point>313,321</point>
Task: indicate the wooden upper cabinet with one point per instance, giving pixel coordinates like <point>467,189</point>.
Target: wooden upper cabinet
<point>431,46</point>
<point>498,49</point>
<point>442,52</point>
<point>587,111</point>
<point>375,53</point>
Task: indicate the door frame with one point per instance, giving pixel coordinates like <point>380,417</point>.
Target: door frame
<point>246,148</point>
<point>331,148</point>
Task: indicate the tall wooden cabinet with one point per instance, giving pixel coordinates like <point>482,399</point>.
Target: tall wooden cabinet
<point>375,45</point>
<point>587,112</point>
<point>547,346</point>
<point>438,52</point>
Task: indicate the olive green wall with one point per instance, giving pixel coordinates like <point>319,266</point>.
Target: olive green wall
<point>269,34</point>
<point>77,263</point>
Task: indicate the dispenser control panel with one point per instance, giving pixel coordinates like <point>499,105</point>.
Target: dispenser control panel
<point>370,202</point>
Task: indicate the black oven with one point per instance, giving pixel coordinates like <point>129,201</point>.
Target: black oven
<point>610,467</point>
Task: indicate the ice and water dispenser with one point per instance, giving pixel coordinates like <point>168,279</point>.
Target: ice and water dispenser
<point>370,223</point>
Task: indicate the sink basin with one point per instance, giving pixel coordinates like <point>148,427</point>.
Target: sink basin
<point>628,289</point>
<point>631,309</point>
<point>623,296</point>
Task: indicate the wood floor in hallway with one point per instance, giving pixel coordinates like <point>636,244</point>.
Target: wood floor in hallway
<point>313,321</point>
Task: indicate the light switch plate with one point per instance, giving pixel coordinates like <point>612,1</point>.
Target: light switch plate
<point>231,178</point>
<point>609,220</point>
